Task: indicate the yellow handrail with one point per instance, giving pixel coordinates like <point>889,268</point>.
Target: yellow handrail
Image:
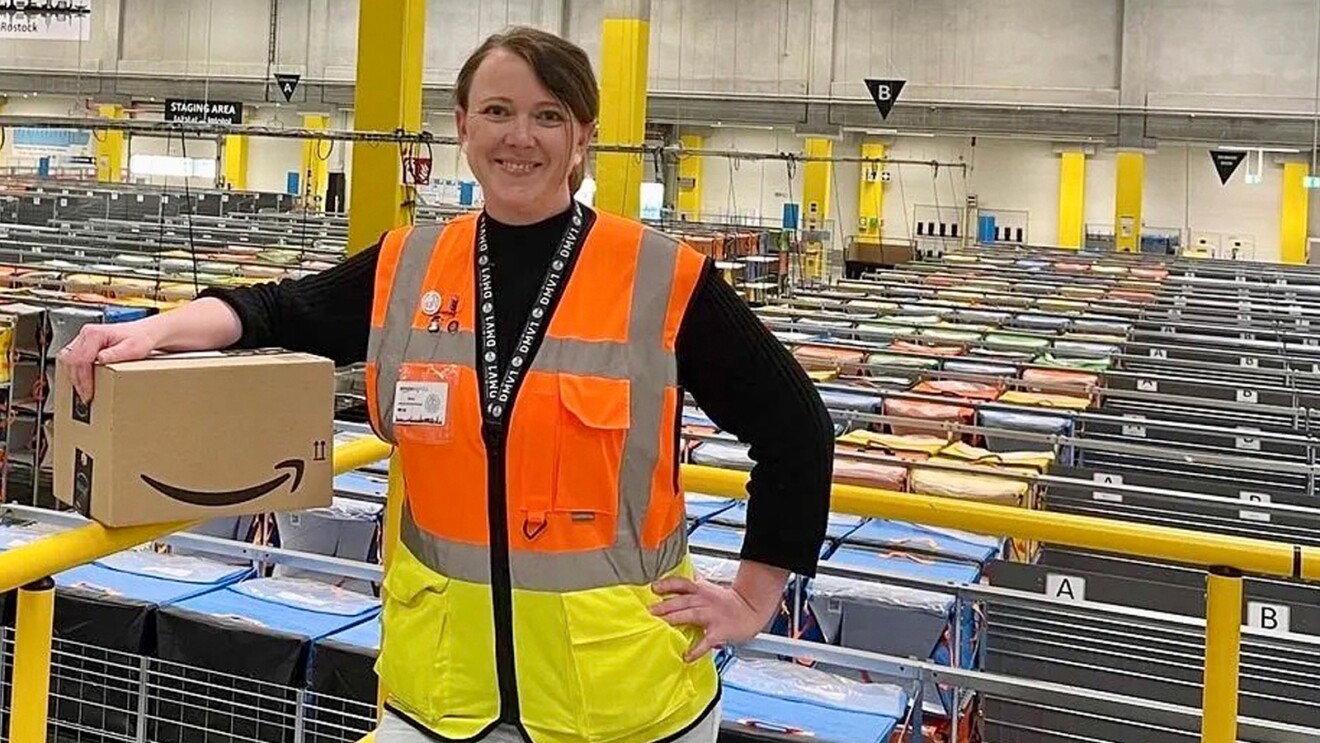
<point>31,565</point>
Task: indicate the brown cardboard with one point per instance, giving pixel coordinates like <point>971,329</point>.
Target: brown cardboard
<point>196,436</point>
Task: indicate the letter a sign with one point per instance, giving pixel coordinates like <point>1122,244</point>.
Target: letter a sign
<point>885,93</point>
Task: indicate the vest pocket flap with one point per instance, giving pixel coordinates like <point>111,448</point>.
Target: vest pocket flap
<point>407,579</point>
<point>597,402</point>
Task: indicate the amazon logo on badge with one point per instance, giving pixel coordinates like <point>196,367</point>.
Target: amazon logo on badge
<point>221,498</point>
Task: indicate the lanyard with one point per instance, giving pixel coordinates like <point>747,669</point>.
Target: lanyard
<point>496,392</point>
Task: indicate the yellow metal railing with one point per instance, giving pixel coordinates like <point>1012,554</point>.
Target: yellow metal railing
<point>1227,558</point>
<point>29,568</point>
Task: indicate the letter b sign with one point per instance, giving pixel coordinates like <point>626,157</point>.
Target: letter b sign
<point>885,94</point>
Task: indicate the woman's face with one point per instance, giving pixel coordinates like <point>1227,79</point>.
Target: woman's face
<point>521,143</point>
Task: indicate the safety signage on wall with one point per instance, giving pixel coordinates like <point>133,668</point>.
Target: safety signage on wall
<point>885,94</point>
<point>185,111</point>
<point>50,20</point>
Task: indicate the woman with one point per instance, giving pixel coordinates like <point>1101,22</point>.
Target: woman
<point>530,364</point>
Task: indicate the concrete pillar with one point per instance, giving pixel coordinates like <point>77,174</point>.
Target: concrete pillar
<point>1293,214</point>
<point>1128,200</point>
<point>1072,188</point>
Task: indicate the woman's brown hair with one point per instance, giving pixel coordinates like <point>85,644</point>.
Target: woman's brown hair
<point>561,66</point>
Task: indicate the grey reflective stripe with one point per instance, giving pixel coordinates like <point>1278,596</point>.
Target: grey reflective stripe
<point>465,562</point>
<point>387,346</point>
<point>593,358</point>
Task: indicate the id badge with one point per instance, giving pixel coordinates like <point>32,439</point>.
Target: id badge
<point>422,399</point>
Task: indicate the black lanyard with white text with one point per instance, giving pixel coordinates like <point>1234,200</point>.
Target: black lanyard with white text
<point>496,392</point>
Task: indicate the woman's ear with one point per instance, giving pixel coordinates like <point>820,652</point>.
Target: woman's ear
<point>460,123</point>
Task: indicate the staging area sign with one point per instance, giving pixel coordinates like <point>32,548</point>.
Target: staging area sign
<point>187,111</point>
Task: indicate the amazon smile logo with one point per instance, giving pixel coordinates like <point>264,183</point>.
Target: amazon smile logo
<point>219,498</point>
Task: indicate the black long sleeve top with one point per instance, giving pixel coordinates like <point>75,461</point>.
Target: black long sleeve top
<point>734,368</point>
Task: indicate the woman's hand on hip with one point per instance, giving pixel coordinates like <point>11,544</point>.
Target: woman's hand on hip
<point>724,614</point>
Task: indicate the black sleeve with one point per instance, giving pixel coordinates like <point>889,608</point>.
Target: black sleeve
<point>752,387</point>
<point>327,313</point>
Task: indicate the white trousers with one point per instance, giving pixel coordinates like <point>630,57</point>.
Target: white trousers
<point>394,729</point>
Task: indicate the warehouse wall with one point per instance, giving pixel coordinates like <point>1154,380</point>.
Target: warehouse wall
<point>1198,53</point>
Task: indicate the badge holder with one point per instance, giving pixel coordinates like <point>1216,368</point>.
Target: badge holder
<point>423,399</point>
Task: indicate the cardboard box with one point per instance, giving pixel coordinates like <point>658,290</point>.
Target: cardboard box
<point>196,436</point>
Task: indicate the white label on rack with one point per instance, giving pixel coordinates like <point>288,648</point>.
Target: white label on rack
<point>1311,342</point>
<point>1280,282</point>
<point>224,198</point>
<point>64,202</point>
<point>1247,396</point>
<point>1240,279</point>
<point>114,197</point>
<point>1159,353</point>
<point>1302,322</point>
<point>1248,443</point>
<point>1104,478</point>
<point>1148,385</point>
<point>1167,329</point>
<point>1244,304</point>
<point>1272,618</point>
<point>1070,587</point>
<point>1249,362</point>
<point>1244,318</point>
<point>1175,314</point>
<point>36,202</point>
<point>1135,430</point>
<point>140,198</point>
<point>1180,301</point>
<point>1294,309</point>
<point>164,199</point>
<point>1250,497</point>
<point>1247,336</point>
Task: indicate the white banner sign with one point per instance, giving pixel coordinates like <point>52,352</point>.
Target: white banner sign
<point>59,24</point>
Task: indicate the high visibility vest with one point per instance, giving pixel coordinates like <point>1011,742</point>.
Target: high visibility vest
<point>521,591</point>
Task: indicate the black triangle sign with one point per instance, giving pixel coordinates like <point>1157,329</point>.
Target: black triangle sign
<point>1226,163</point>
<point>288,83</point>
<point>885,93</point>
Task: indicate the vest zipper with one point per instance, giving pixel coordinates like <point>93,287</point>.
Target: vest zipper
<point>495,435</point>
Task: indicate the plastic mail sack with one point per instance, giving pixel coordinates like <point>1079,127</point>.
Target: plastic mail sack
<point>1134,297</point>
<point>307,595</point>
<point>1081,292</point>
<point>918,320</point>
<point>790,337</point>
<point>883,331</point>
<point>18,535</point>
<point>731,455</point>
<point>814,322</point>
<point>1084,349</point>
<point>826,590</point>
<point>1012,301</point>
<point>925,350</point>
<point>960,297</point>
<point>1096,325</point>
<point>1062,305</point>
<point>1050,360</point>
<point>838,397</point>
<point>697,418</point>
<point>715,569</point>
<point>1044,400</point>
<point>910,447</point>
<point>1001,354</point>
<point>975,486</point>
<point>872,304</point>
<point>894,359</point>
<point>958,388</point>
<point>1004,421</point>
<point>788,699</point>
<point>347,529</point>
<point>701,507</point>
<point>924,411</point>
<point>981,368</point>
<point>1061,377</point>
<point>949,335</point>
<point>1014,342</point>
<point>1151,274</point>
<point>180,568</point>
<point>853,471</point>
<point>947,543</point>
<point>988,318</point>
<point>1026,461</point>
<point>1030,321</point>
<point>826,357</point>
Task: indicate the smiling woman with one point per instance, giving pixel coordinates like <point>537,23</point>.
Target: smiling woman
<point>531,363</point>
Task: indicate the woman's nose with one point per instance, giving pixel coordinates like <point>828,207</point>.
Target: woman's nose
<point>520,132</point>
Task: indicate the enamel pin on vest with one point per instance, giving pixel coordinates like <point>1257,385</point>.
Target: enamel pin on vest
<point>435,307</point>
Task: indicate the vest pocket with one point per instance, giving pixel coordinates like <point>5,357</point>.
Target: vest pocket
<point>411,664</point>
<point>629,663</point>
<point>594,417</point>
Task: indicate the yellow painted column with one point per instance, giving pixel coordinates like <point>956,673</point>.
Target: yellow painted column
<point>388,96</point>
<point>315,160</point>
<point>110,147</point>
<point>624,46</point>
<point>1294,214</point>
<point>871,195</point>
<point>1127,201</point>
<point>689,179</point>
<point>236,161</point>
<point>1072,189</point>
<point>816,176</point>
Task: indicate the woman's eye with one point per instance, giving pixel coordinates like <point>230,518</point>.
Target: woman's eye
<point>495,110</point>
<point>550,117</point>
